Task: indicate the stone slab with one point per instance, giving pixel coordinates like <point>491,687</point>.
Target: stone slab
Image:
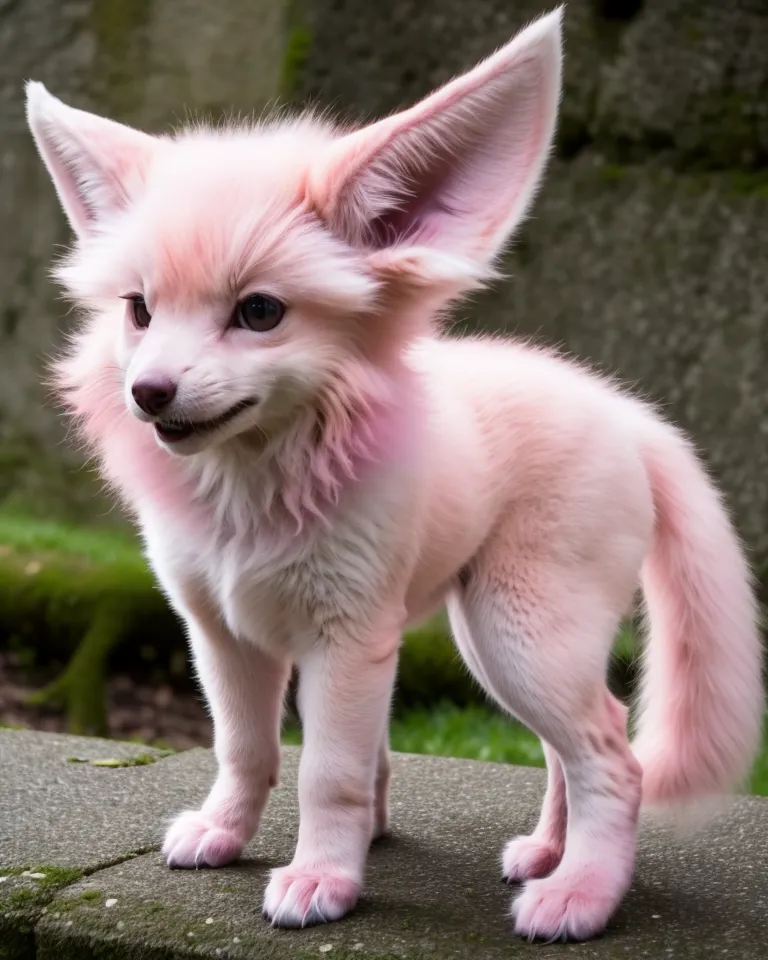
<point>54,810</point>
<point>433,888</point>
<point>62,818</point>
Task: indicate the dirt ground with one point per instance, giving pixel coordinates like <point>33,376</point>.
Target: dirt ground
<point>150,713</point>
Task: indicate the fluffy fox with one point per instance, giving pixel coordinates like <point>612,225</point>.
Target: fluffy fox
<point>314,465</point>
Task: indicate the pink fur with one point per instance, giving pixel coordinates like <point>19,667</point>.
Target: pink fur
<point>371,470</point>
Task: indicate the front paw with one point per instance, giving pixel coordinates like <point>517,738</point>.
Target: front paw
<point>297,897</point>
<point>196,840</point>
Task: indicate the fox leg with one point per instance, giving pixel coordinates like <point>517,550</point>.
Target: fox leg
<point>538,632</point>
<point>244,688</point>
<point>538,854</point>
<point>345,686</point>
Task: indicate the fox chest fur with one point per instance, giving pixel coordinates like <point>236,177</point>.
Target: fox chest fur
<point>283,587</point>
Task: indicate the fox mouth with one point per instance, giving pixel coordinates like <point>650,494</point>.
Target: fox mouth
<point>173,431</point>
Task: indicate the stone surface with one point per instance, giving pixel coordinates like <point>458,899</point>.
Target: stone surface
<point>433,887</point>
<point>150,63</point>
<point>367,59</point>
<point>54,810</point>
<point>690,78</point>
<point>685,78</point>
<point>60,819</point>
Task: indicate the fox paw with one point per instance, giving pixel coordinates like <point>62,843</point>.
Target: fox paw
<point>576,907</point>
<point>526,858</point>
<point>303,898</point>
<point>195,840</point>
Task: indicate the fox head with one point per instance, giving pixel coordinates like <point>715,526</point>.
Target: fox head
<point>234,278</point>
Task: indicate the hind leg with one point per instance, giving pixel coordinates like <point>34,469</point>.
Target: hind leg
<point>537,855</point>
<point>538,636</point>
<point>604,786</point>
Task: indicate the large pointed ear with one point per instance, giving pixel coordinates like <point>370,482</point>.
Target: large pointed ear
<point>96,165</point>
<point>444,183</point>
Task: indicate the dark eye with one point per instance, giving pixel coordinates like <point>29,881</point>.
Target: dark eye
<point>141,316</point>
<point>259,313</point>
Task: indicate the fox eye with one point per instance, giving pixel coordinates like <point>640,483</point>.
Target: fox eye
<point>259,313</point>
<point>141,316</point>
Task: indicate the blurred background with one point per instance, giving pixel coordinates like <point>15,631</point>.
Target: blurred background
<point>646,254</point>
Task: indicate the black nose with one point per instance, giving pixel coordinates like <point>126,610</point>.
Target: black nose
<point>153,393</point>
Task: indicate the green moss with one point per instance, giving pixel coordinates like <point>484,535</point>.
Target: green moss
<point>91,895</point>
<point>17,939</point>
<point>141,760</point>
<point>25,534</point>
<point>725,132</point>
<point>753,182</point>
<point>53,877</point>
<point>718,132</point>
<point>65,589</point>
<point>612,173</point>
<point>23,897</point>
<point>297,51</point>
<point>298,47</point>
<point>121,53</point>
<point>35,484</point>
<point>735,182</point>
<point>80,688</point>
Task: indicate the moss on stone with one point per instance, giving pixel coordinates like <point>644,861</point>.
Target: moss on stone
<point>38,485</point>
<point>140,760</point>
<point>78,596</point>
<point>120,53</point>
<point>612,173</point>
<point>23,897</point>
<point>52,877</point>
<point>298,48</point>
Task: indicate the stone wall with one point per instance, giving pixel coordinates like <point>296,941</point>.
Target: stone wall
<point>647,249</point>
<point>145,62</point>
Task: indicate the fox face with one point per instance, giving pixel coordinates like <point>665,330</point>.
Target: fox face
<point>230,305</point>
<point>241,281</point>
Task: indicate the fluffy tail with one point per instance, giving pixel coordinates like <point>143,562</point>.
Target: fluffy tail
<point>702,693</point>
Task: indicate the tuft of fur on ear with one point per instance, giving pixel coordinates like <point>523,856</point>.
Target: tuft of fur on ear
<point>436,190</point>
<point>96,165</point>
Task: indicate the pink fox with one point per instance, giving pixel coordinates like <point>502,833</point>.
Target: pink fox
<point>314,466</point>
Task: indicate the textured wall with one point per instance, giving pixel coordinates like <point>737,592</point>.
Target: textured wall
<point>144,62</point>
<point>647,251</point>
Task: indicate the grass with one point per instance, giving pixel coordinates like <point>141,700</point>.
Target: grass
<point>481,733</point>
<point>473,732</point>
<point>103,546</point>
